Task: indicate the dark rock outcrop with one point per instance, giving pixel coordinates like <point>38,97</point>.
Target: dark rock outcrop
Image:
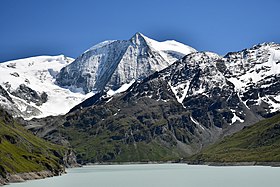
<point>30,95</point>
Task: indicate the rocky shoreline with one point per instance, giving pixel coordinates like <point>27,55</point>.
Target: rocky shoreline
<point>21,177</point>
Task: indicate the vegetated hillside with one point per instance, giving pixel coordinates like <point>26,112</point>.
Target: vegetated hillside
<point>257,143</point>
<point>149,131</point>
<point>23,152</point>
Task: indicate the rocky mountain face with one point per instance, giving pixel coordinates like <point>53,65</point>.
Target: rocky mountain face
<point>255,75</point>
<point>30,95</point>
<point>175,112</point>
<point>111,64</point>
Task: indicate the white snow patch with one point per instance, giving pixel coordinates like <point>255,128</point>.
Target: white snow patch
<point>182,88</point>
<point>196,122</point>
<point>109,100</point>
<point>165,100</point>
<point>123,88</point>
<point>235,118</point>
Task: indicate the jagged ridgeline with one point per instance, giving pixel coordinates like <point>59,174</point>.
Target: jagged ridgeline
<point>175,112</point>
<point>52,85</point>
<point>23,152</point>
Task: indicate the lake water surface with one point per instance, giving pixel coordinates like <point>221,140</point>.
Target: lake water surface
<point>162,175</point>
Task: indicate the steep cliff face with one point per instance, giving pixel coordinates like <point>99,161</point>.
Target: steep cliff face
<point>111,64</point>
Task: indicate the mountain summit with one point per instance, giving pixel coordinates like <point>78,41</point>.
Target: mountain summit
<point>111,64</point>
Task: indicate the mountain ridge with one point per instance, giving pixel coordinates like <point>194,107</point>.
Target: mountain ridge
<point>174,112</point>
<point>31,87</point>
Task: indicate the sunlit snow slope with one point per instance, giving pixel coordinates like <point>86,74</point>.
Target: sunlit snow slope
<point>29,89</point>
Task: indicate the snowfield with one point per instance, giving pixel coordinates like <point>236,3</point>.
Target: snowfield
<point>38,73</point>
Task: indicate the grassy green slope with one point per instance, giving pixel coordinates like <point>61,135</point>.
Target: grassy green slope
<point>259,142</point>
<point>21,151</point>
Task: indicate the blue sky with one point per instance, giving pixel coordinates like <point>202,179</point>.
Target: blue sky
<point>52,27</point>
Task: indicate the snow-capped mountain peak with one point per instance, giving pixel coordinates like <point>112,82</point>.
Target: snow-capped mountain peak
<point>169,46</point>
<point>111,64</point>
<point>138,38</point>
<point>171,50</point>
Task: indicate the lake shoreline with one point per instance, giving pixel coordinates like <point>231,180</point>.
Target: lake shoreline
<point>22,177</point>
<point>31,176</point>
<point>271,164</point>
<point>150,168</point>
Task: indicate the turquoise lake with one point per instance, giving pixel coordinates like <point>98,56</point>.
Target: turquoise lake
<point>162,175</point>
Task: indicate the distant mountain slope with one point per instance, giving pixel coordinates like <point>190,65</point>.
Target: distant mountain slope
<point>257,143</point>
<point>111,64</point>
<point>28,89</point>
<point>249,80</point>
<point>23,152</point>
